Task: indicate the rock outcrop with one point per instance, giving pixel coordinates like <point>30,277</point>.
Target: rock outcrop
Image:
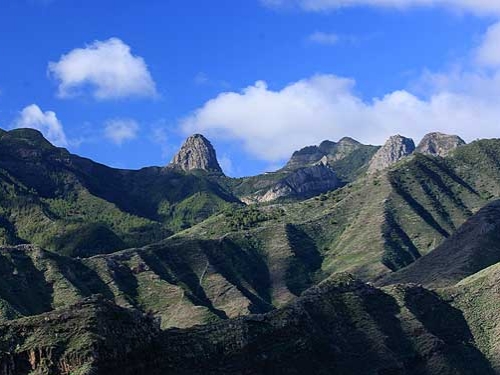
<point>304,157</point>
<point>395,149</point>
<point>196,153</point>
<point>326,151</point>
<point>340,150</point>
<point>302,183</point>
<point>439,144</point>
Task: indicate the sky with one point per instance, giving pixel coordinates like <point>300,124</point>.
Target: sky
<point>125,82</point>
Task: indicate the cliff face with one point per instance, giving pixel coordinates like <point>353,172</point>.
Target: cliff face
<point>329,152</point>
<point>196,153</point>
<point>304,157</point>
<point>302,183</point>
<point>84,339</point>
<point>395,149</point>
<point>439,144</point>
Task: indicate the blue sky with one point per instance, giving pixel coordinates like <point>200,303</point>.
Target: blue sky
<point>124,82</point>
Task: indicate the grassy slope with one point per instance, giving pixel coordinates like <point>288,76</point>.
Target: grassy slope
<point>77,207</point>
<point>342,326</point>
<point>380,223</point>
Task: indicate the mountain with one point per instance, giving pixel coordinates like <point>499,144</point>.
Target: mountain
<point>439,144</point>
<point>378,223</point>
<point>207,284</point>
<point>325,167</point>
<point>396,148</point>
<point>301,184</point>
<point>196,153</point>
<point>75,206</point>
<point>473,247</point>
<point>347,157</point>
<point>477,298</point>
<point>342,326</point>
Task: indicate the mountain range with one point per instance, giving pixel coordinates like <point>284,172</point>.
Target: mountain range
<point>351,259</point>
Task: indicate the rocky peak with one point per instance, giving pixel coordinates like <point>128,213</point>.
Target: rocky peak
<point>196,153</point>
<point>306,156</point>
<point>439,144</point>
<point>343,148</point>
<point>302,183</point>
<point>349,141</point>
<point>327,146</point>
<point>395,149</point>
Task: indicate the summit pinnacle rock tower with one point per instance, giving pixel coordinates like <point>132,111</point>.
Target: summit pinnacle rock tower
<point>396,148</point>
<point>439,144</point>
<point>196,153</point>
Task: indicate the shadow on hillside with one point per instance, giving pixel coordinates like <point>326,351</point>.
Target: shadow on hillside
<point>448,325</point>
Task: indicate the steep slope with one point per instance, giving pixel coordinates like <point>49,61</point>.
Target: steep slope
<point>77,207</point>
<point>182,281</point>
<point>341,327</point>
<point>473,247</point>
<point>395,149</point>
<point>347,157</point>
<point>310,171</point>
<point>196,153</point>
<point>478,297</point>
<point>439,144</point>
<point>384,222</point>
<point>300,184</point>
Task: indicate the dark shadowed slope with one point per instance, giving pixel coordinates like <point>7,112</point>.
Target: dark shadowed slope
<point>473,247</point>
<point>341,327</point>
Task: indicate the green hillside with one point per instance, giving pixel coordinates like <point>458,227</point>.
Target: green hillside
<point>76,207</point>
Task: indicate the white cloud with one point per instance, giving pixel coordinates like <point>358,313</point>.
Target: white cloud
<point>46,122</point>
<point>488,54</point>
<point>226,164</point>
<point>474,6</point>
<point>320,37</point>
<point>272,124</point>
<point>108,69</point>
<point>121,130</point>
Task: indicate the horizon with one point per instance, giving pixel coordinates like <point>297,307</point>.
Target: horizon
<point>260,81</point>
<point>215,149</point>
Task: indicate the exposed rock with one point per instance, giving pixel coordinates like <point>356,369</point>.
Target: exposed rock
<point>342,149</point>
<point>395,149</point>
<point>312,155</point>
<point>439,144</point>
<point>196,153</point>
<point>302,183</point>
<point>304,157</point>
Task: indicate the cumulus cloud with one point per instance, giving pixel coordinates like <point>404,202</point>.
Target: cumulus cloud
<point>46,122</point>
<point>119,131</point>
<point>474,6</point>
<point>226,163</point>
<point>488,54</point>
<point>273,123</point>
<point>320,37</point>
<point>106,69</point>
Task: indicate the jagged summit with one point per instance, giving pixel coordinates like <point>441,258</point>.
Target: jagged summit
<point>196,153</point>
<point>439,144</point>
<point>396,148</point>
<point>327,152</point>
